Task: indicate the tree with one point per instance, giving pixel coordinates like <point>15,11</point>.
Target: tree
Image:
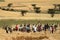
<point>59,7</point>
<point>33,5</point>
<point>37,9</point>
<point>10,4</point>
<point>23,12</point>
<point>51,11</point>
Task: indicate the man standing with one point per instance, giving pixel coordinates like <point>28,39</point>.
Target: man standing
<point>16,27</point>
<point>34,28</point>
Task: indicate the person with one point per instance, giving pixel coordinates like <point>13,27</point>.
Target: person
<point>10,29</point>
<point>28,28</point>
<point>55,27</point>
<point>24,28</point>
<point>39,28</point>
<point>20,27</point>
<point>16,27</point>
<point>46,26</point>
<point>42,27</point>
<point>34,28</point>
<point>52,28</point>
<point>6,28</point>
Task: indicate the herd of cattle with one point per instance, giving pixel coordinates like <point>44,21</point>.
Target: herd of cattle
<point>31,28</point>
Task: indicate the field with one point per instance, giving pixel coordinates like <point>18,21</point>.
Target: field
<point>12,18</point>
<point>17,35</point>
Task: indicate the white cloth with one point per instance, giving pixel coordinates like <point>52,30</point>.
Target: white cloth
<point>35,28</point>
<point>20,27</point>
<point>50,28</point>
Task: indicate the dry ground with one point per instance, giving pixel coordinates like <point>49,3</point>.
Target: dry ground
<point>16,35</point>
<point>28,16</point>
<point>44,4</point>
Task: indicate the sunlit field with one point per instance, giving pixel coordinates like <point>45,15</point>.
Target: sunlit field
<point>11,18</point>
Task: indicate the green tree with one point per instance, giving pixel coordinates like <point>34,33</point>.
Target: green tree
<point>23,12</point>
<point>10,4</point>
<point>51,11</point>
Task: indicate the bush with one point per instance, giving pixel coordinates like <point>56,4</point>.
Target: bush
<point>37,9</point>
<point>7,9</point>
<point>51,11</point>
<point>0,7</point>
<point>3,9</point>
<point>23,12</point>
<point>33,5</point>
<point>11,9</point>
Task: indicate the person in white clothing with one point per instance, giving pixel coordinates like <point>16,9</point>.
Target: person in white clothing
<point>34,28</point>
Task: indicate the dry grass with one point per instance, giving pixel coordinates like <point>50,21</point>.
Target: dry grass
<point>44,4</point>
<point>26,36</point>
<point>28,16</point>
<point>29,38</point>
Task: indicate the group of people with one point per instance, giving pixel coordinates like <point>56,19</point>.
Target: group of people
<point>32,28</point>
